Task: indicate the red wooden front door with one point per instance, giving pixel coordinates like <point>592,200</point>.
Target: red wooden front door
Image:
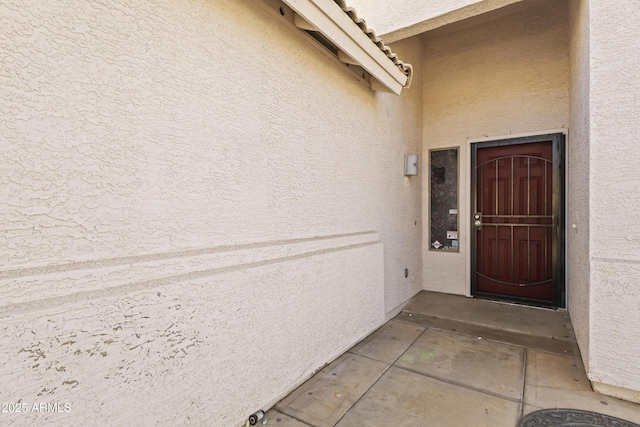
<point>514,220</point>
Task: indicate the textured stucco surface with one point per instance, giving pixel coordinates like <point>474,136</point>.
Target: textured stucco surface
<point>193,351</point>
<point>507,76</point>
<point>613,351</point>
<point>614,356</point>
<point>393,15</point>
<point>578,155</point>
<point>199,208</point>
<point>400,19</point>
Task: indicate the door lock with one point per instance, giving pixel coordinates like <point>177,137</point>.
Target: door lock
<point>477,220</point>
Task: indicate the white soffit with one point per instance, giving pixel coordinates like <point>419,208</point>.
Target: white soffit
<point>356,43</point>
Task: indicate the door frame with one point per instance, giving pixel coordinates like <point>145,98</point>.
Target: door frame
<point>559,211</point>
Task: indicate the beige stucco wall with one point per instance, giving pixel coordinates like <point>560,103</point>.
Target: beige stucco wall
<point>392,15</point>
<point>614,354</point>
<point>506,76</point>
<point>400,19</point>
<point>578,156</point>
<point>199,209</point>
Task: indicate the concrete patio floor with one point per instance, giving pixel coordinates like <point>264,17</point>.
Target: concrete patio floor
<point>451,361</point>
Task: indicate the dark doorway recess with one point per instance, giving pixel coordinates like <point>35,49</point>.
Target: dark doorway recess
<point>518,220</point>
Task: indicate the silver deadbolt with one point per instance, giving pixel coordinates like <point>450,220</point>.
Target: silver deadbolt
<point>477,220</point>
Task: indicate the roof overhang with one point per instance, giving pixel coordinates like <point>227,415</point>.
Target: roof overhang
<point>356,44</point>
<point>400,19</point>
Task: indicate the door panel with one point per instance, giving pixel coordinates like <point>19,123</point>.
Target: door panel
<point>516,246</point>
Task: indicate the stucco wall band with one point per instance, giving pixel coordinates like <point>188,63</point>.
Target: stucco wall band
<point>197,351</point>
<point>615,321</point>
